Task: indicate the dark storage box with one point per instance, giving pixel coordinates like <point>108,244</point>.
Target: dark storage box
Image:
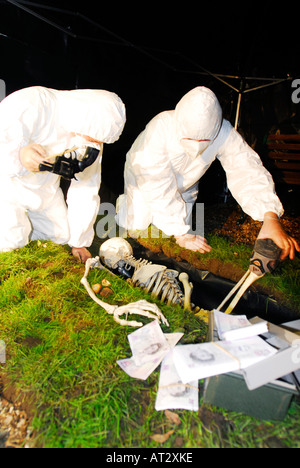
<point>230,391</point>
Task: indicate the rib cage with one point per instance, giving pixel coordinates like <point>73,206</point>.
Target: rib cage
<point>116,255</point>
<point>155,279</point>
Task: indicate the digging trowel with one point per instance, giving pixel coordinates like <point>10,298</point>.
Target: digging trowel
<point>264,259</point>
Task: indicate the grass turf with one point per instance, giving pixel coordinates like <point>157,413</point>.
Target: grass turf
<point>61,358</point>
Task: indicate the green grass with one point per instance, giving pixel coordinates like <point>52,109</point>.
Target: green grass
<point>62,350</point>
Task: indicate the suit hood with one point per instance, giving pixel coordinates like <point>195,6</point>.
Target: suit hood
<point>198,115</point>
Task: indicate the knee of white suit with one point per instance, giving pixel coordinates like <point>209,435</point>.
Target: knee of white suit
<point>8,245</point>
<point>15,227</point>
<point>19,227</point>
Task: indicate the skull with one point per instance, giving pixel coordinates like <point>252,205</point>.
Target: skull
<point>114,250</point>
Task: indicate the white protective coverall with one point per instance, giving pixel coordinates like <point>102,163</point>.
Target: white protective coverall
<point>32,205</point>
<point>165,163</point>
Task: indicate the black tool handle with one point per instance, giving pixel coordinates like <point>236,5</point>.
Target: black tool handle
<point>265,257</point>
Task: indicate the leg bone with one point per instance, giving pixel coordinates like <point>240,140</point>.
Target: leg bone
<point>141,307</point>
<point>188,288</point>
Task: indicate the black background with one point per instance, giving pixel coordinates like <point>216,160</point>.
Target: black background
<point>151,54</point>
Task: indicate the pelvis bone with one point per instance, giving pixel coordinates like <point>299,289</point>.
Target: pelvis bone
<point>116,254</point>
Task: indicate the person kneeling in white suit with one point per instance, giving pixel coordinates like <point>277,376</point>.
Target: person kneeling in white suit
<point>36,125</point>
<point>167,160</point>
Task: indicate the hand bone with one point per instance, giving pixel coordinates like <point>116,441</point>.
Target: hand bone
<point>141,307</point>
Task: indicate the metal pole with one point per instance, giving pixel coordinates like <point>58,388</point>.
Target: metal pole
<point>237,116</point>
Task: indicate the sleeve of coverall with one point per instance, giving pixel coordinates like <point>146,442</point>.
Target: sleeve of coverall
<point>83,205</point>
<point>12,140</point>
<point>248,180</point>
<point>156,180</point>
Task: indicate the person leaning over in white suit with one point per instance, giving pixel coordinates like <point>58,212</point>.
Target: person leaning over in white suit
<point>37,123</point>
<point>167,160</point>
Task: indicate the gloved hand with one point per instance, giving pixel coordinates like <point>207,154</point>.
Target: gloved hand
<point>272,229</point>
<point>31,156</point>
<point>193,242</point>
<point>81,254</point>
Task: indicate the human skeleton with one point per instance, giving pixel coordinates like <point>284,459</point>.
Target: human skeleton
<point>116,255</point>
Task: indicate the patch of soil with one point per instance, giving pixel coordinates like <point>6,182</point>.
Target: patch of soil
<point>230,222</point>
<point>215,266</point>
<point>214,422</point>
<point>15,419</point>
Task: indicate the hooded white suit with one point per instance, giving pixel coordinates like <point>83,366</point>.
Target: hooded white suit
<point>32,205</point>
<point>165,163</point>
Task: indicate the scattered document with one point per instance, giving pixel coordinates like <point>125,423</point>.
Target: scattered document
<point>236,327</point>
<point>149,345</point>
<point>183,365</point>
<point>199,361</point>
<point>172,392</point>
<point>248,351</point>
